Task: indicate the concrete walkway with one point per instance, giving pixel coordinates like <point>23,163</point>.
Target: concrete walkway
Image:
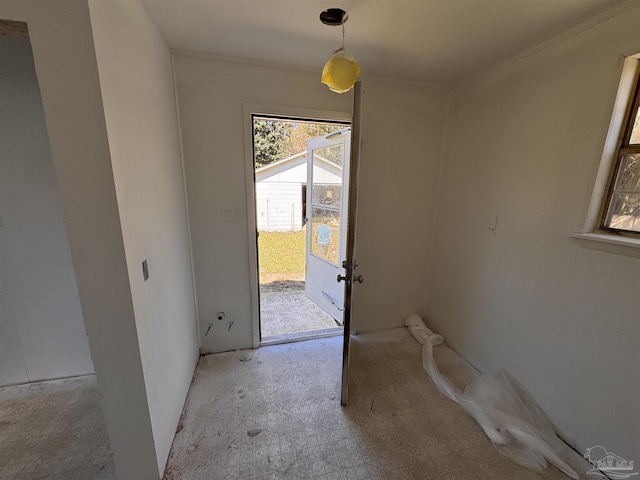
<point>291,311</point>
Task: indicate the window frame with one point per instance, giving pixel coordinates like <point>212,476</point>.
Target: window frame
<point>589,234</point>
<point>624,147</point>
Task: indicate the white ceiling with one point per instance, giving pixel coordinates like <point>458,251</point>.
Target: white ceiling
<point>432,41</point>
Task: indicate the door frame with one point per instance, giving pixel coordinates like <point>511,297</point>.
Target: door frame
<point>248,111</point>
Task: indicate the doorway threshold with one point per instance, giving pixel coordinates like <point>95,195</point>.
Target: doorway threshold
<point>301,336</point>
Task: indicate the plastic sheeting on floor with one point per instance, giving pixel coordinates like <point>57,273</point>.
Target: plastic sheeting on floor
<point>505,411</point>
<point>420,332</point>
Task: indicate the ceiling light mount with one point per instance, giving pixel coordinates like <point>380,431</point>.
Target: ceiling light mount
<point>334,17</point>
<point>341,70</point>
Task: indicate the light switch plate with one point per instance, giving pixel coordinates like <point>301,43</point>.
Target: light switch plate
<point>231,215</point>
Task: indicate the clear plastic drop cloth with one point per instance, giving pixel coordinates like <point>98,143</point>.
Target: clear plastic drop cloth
<point>420,332</point>
<point>506,412</point>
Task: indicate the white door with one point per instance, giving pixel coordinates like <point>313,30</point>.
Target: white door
<point>326,212</point>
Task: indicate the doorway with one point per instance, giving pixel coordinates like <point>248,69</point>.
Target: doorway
<point>301,192</point>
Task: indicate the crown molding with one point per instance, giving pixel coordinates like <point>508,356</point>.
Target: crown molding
<point>252,62</point>
<point>586,25</point>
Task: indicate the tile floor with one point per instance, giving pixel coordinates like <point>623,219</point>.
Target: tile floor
<point>397,426</point>
<point>55,431</point>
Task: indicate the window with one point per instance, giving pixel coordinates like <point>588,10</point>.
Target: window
<point>613,215</point>
<point>621,212</point>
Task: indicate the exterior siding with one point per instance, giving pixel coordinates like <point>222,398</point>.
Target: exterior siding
<point>279,206</point>
<point>279,193</point>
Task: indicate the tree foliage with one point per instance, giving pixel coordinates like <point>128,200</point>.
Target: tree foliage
<point>269,137</point>
<point>278,139</point>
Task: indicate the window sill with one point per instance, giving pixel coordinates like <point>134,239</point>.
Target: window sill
<point>609,243</point>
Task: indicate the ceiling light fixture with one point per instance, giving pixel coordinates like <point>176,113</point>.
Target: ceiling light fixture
<point>341,70</point>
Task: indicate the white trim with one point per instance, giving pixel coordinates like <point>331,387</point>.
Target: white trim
<point>249,109</point>
<point>609,243</point>
<point>610,151</point>
<point>590,233</point>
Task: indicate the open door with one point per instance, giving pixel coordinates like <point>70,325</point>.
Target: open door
<point>327,219</point>
<point>350,277</point>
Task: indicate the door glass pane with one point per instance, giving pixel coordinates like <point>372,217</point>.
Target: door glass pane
<point>327,194</point>
<point>333,154</point>
<point>327,175</point>
<point>325,237</point>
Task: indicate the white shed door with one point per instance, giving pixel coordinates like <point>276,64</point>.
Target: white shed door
<point>327,204</point>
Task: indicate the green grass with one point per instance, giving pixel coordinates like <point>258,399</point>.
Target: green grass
<point>281,252</point>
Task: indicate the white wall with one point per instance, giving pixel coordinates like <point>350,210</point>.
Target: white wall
<point>65,61</point>
<point>42,333</point>
<point>211,96</point>
<point>400,162</point>
<point>399,177</point>
<point>134,64</point>
<point>524,143</point>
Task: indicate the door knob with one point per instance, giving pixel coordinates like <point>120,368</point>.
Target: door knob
<point>358,279</point>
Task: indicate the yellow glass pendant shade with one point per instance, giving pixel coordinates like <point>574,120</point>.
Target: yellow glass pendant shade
<point>340,72</point>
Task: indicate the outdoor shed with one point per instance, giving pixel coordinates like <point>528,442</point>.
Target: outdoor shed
<point>281,189</point>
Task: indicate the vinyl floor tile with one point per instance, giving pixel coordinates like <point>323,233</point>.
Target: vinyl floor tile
<point>396,426</point>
